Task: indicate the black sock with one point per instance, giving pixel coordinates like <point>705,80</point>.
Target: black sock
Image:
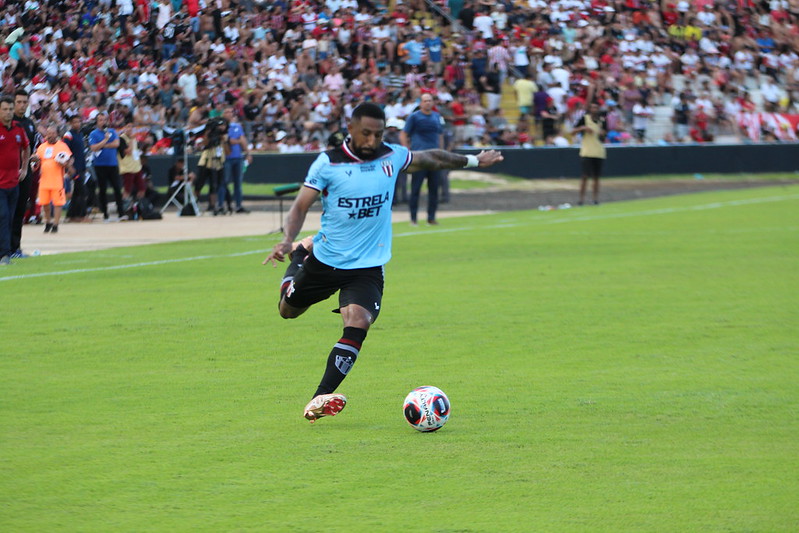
<point>341,359</point>
<point>297,258</point>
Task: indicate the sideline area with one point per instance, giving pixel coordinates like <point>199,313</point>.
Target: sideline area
<point>500,195</point>
<point>98,235</point>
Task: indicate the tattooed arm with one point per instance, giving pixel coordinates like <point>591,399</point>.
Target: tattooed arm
<point>441,159</point>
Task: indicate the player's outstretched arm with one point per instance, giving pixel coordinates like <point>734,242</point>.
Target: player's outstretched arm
<point>442,159</point>
<point>294,221</point>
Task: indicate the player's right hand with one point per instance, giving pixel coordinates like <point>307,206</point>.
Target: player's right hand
<point>278,253</point>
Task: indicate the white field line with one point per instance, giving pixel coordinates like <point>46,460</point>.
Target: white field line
<point>599,216</point>
<point>132,265</point>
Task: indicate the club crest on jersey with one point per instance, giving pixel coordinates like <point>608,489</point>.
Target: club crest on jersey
<point>388,167</point>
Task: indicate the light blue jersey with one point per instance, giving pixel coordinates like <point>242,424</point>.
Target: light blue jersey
<point>356,205</point>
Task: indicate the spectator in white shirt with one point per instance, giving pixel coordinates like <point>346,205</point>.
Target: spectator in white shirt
<point>147,79</point>
<point>771,94</point>
<point>485,25</point>
<point>642,112</point>
<point>187,82</point>
<point>125,95</point>
<point>707,17</point>
<point>690,60</point>
<point>164,14</point>
<point>500,17</point>
<point>561,76</point>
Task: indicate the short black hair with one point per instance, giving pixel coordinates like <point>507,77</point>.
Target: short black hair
<point>368,109</point>
<point>5,99</point>
<point>21,92</point>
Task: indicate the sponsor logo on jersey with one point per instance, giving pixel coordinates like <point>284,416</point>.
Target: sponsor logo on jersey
<point>364,206</point>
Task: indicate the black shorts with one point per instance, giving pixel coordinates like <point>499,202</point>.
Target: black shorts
<point>592,166</point>
<point>316,281</point>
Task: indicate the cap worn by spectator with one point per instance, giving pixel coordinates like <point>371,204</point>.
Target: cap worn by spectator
<point>14,36</point>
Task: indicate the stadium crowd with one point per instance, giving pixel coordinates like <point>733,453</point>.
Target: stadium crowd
<point>293,69</point>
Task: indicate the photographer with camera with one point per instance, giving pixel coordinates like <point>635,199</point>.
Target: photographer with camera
<point>214,150</point>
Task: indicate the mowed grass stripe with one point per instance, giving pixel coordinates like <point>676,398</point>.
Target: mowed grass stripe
<point>540,220</point>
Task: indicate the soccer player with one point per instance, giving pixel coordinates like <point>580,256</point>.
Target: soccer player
<point>356,181</point>
<point>53,157</point>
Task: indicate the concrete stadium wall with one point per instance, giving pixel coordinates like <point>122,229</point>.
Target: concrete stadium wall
<point>536,163</point>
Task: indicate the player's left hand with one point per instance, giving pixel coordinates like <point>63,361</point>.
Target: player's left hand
<point>486,159</point>
<point>278,253</point>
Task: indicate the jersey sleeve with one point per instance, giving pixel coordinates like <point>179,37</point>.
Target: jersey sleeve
<point>317,179</point>
<point>406,157</point>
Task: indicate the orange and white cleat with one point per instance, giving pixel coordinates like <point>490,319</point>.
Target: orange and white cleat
<point>324,405</point>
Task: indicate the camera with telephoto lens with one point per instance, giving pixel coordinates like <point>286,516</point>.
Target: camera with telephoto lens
<point>215,130</point>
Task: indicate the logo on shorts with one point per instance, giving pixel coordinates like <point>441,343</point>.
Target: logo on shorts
<point>388,168</point>
<point>290,290</point>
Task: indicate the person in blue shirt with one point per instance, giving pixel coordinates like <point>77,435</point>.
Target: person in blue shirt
<point>104,141</point>
<point>356,183</point>
<point>424,130</point>
<point>234,163</point>
<point>415,51</point>
<point>18,55</point>
<point>434,46</point>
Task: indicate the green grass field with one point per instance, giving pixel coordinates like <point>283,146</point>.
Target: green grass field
<point>629,367</point>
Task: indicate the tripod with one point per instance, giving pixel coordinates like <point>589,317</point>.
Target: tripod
<point>189,198</point>
<point>281,191</point>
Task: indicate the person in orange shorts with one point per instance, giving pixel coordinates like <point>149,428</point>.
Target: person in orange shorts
<point>53,157</point>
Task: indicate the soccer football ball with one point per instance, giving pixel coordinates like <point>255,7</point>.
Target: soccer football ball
<point>426,408</point>
<point>61,158</point>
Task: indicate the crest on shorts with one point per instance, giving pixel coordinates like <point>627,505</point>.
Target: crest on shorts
<point>388,167</point>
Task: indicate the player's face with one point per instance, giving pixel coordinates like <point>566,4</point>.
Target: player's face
<point>366,134</point>
<point>51,135</point>
<point>6,112</point>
